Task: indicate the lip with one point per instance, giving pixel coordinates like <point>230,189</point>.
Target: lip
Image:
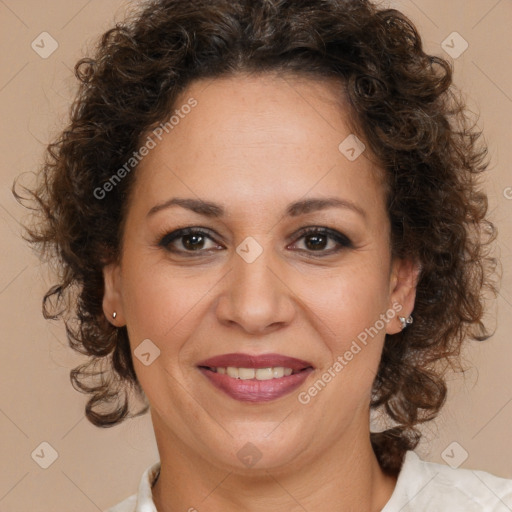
<point>253,390</point>
<point>239,360</point>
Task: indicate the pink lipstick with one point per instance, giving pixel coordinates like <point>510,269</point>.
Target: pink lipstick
<point>255,378</point>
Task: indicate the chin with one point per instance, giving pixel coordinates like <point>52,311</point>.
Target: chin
<point>263,447</point>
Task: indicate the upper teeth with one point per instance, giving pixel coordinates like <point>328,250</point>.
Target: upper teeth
<point>255,373</point>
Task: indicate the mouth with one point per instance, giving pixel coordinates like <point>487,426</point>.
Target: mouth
<point>268,373</point>
<point>260,378</point>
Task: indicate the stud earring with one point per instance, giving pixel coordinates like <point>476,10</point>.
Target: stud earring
<point>114,314</point>
<point>405,321</point>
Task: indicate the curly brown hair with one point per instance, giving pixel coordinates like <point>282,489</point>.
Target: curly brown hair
<point>405,106</point>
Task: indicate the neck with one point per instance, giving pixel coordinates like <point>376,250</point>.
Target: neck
<point>346,477</point>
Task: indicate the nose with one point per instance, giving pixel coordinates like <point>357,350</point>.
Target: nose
<point>256,297</point>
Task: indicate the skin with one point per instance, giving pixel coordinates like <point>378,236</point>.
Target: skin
<point>255,144</point>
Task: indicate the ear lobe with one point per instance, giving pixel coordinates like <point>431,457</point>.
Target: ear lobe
<point>112,302</point>
<point>404,279</point>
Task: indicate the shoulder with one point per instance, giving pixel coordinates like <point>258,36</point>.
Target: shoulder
<point>142,501</point>
<point>423,486</point>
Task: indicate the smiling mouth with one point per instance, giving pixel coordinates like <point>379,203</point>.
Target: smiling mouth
<point>255,385</point>
<point>255,378</point>
<point>269,373</point>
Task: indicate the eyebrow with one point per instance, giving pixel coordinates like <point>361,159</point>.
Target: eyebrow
<point>214,210</point>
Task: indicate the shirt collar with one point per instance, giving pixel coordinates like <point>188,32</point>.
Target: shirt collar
<point>145,501</point>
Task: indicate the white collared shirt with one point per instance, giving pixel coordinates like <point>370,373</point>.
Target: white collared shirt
<point>421,487</point>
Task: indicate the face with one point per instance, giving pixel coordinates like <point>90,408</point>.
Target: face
<point>287,266</point>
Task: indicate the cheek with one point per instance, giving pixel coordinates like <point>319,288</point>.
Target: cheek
<point>350,300</point>
<point>160,303</point>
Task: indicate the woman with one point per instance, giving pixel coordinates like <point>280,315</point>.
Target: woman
<point>271,218</point>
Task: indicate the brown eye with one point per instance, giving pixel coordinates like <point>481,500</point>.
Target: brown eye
<point>193,242</point>
<point>317,240</point>
<point>323,241</point>
<point>186,240</point>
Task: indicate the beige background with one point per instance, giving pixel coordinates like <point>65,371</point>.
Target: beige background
<point>96,467</point>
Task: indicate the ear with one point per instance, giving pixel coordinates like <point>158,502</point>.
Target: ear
<point>112,295</point>
<point>403,281</point>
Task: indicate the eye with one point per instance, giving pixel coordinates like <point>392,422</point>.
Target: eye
<point>316,239</point>
<point>187,240</point>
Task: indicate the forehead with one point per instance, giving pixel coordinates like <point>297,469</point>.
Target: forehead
<point>261,141</point>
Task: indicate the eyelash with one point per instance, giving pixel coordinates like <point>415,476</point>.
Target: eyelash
<point>343,241</point>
